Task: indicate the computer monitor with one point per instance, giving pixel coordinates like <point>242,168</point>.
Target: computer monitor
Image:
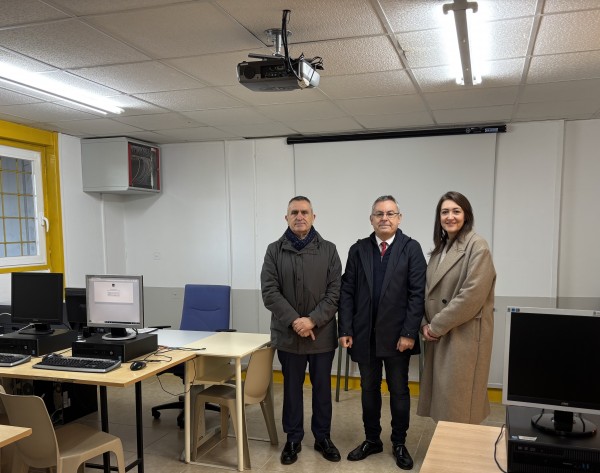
<point>37,299</point>
<point>76,307</point>
<point>552,361</point>
<point>115,302</point>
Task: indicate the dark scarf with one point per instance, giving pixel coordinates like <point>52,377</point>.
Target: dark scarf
<point>297,242</point>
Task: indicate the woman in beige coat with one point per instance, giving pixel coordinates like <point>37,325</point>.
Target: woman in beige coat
<point>459,318</point>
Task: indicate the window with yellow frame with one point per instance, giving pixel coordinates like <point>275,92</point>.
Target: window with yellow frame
<point>30,217</point>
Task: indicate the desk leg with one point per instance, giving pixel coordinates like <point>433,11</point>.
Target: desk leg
<point>104,424</point>
<point>139,427</point>
<point>240,413</point>
<point>187,383</point>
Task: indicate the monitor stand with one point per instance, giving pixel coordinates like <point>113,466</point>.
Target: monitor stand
<point>563,423</point>
<point>37,329</point>
<point>117,334</point>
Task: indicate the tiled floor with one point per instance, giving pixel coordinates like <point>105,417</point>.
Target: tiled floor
<point>164,441</point>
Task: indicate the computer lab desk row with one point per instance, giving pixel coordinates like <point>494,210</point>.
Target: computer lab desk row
<point>207,346</point>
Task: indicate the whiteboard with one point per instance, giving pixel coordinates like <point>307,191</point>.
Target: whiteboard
<point>342,180</point>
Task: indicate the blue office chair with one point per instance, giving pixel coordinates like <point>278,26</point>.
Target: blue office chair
<point>205,308</point>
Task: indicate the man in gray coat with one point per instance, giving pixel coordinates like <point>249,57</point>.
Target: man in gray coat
<point>300,281</point>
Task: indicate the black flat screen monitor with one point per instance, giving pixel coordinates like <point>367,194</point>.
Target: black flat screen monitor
<point>552,362</point>
<point>37,299</point>
<point>115,302</point>
<point>75,304</point>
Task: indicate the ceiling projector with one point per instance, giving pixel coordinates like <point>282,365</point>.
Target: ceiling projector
<point>276,74</point>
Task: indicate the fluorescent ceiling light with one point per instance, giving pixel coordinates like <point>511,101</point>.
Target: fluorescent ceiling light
<point>41,84</point>
<point>466,64</point>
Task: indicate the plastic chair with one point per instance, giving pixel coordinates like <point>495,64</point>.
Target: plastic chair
<point>205,308</point>
<point>6,452</point>
<point>65,449</point>
<point>259,378</point>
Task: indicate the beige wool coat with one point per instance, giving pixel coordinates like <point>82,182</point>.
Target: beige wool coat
<point>459,305</point>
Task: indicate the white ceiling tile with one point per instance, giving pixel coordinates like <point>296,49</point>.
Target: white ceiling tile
<point>568,32</point>
<point>568,90</point>
<point>367,85</point>
<point>383,105</point>
<point>569,5</point>
<point>466,98</point>
<point>256,130</point>
<point>68,44</point>
<point>163,121</point>
<point>151,76</point>
<point>195,99</point>
<point>226,116</point>
<point>265,98</point>
<point>413,15</point>
<point>561,67</point>
<point>394,121</point>
<point>14,119</point>
<point>103,126</point>
<point>152,137</point>
<point>88,7</point>
<point>332,125</point>
<point>301,111</point>
<point>353,56</point>
<point>310,20</point>
<point>215,69</point>
<point>205,133</point>
<point>9,97</point>
<point>19,12</point>
<point>184,29</point>
<point>474,115</point>
<point>45,112</point>
<point>557,110</point>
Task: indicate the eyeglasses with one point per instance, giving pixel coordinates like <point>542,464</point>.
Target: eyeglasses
<point>380,215</point>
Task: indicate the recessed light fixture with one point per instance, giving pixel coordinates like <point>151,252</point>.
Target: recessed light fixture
<point>40,84</point>
<point>468,71</point>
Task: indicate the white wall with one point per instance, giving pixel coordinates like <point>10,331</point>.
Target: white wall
<point>579,262</point>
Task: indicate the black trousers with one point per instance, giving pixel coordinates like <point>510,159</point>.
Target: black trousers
<point>293,367</point>
<point>396,375</point>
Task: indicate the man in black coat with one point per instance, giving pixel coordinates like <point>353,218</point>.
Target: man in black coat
<point>379,316</point>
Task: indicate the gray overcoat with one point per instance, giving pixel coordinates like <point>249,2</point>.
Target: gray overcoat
<point>459,305</point>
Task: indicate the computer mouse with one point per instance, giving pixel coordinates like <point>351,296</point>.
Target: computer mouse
<point>52,355</point>
<point>137,365</point>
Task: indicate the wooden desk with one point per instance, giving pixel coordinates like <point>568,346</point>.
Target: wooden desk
<point>464,448</point>
<point>10,434</point>
<point>121,377</point>
<point>228,345</point>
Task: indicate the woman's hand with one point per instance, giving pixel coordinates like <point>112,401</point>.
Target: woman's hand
<point>428,334</point>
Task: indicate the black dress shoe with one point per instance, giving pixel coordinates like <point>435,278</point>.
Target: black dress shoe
<point>328,449</point>
<point>364,450</point>
<point>403,458</point>
<point>290,452</point>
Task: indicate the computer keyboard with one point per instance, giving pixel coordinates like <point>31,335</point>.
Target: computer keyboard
<point>75,363</point>
<point>13,359</point>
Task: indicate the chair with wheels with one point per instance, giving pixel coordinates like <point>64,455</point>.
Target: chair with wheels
<point>257,390</point>
<point>64,449</point>
<point>205,308</point>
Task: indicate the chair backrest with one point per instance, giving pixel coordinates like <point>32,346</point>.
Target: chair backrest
<point>205,307</point>
<point>259,375</point>
<point>40,449</point>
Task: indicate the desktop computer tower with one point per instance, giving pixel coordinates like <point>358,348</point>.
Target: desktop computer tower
<point>124,350</point>
<point>529,450</point>
<point>37,345</point>
<point>65,402</point>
